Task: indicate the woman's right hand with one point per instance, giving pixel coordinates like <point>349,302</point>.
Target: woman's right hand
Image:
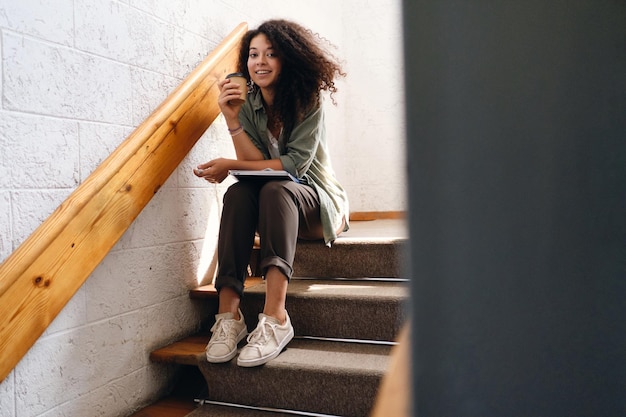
<point>229,91</point>
<point>214,171</point>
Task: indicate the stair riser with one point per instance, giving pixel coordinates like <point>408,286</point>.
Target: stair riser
<point>315,391</point>
<point>363,319</point>
<point>349,260</point>
<point>345,260</point>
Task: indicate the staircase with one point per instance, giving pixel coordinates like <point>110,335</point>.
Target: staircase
<point>346,304</point>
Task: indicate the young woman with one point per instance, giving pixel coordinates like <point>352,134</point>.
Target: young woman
<point>280,126</point>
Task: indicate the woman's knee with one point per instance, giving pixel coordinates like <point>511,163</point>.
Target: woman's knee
<point>273,187</point>
<point>240,192</point>
<point>275,191</point>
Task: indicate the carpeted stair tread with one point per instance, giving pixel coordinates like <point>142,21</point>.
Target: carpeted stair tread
<point>331,355</point>
<point>311,375</point>
<point>351,258</point>
<point>320,288</point>
<point>368,310</point>
<point>332,296</point>
<point>369,249</point>
<point>316,376</point>
<point>379,228</point>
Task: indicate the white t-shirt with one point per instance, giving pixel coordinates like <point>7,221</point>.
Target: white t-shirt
<point>273,146</point>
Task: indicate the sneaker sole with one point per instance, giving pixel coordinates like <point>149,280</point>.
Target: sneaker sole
<point>260,361</point>
<point>231,354</point>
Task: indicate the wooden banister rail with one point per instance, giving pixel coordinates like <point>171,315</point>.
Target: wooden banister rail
<point>43,273</point>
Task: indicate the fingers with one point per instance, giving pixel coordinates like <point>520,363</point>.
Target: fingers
<point>214,171</point>
<point>202,170</point>
<point>229,91</point>
<point>231,87</point>
<point>204,173</point>
<point>226,85</point>
<point>208,173</point>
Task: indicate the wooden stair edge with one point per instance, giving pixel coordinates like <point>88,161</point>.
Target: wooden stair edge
<point>209,291</point>
<point>186,351</point>
<point>172,406</point>
<point>377,215</point>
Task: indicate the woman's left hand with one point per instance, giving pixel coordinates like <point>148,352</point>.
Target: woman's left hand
<point>214,171</point>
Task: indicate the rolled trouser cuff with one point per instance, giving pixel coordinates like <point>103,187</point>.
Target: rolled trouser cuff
<point>278,262</point>
<point>232,282</point>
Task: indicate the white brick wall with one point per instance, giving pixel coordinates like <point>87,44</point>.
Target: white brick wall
<point>77,77</point>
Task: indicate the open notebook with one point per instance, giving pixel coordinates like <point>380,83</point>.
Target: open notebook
<point>265,174</point>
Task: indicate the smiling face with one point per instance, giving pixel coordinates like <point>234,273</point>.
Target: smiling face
<point>263,65</point>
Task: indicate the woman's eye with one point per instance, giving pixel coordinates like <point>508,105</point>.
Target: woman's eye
<point>252,55</point>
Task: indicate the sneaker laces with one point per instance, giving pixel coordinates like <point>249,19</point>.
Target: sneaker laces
<point>264,330</point>
<point>221,330</point>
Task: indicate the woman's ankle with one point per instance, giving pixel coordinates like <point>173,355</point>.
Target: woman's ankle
<point>280,315</point>
<point>229,302</point>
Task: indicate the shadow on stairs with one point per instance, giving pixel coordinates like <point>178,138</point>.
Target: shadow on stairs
<point>347,305</point>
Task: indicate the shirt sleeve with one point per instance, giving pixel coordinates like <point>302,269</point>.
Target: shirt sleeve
<point>301,146</point>
<point>247,121</point>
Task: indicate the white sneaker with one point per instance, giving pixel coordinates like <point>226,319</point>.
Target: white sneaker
<point>227,333</point>
<point>266,341</point>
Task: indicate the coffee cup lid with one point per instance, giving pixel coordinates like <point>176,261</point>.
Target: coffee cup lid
<point>235,74</point>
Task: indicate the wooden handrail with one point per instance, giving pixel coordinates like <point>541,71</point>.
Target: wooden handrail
<point>43,273</point>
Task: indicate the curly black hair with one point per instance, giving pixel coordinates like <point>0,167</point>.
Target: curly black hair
<point>307,68</point>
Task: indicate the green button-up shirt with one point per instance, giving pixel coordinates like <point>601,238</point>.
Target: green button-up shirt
<point>304,154</point>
